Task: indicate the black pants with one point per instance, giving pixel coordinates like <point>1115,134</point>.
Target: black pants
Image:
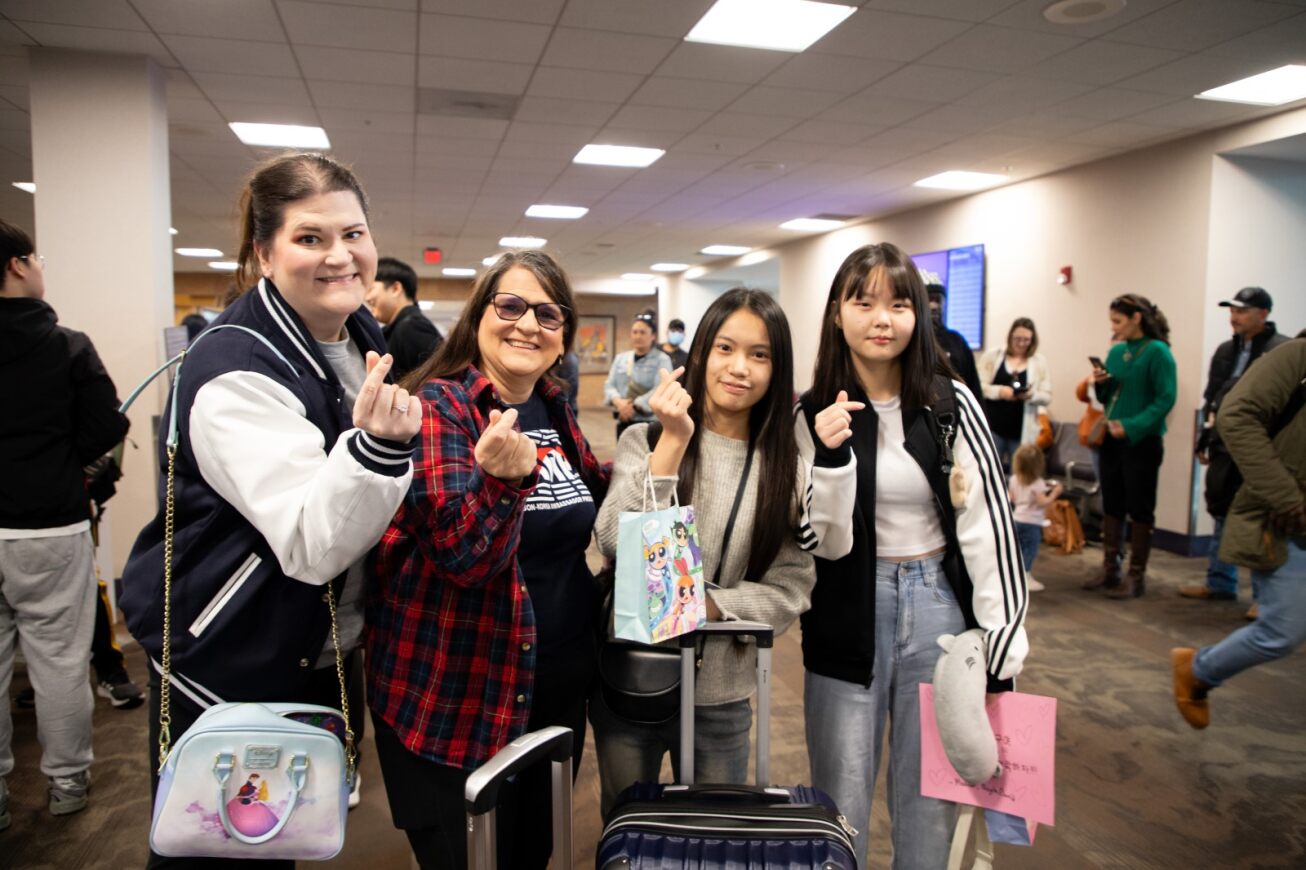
<point>1129,475</point>
<point>324,690</point>
<point>106,655</point>
<point>426,798</point>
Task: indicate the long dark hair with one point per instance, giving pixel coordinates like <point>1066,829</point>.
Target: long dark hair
<point>1153,322</point>
<point>461,348</point>
<point>275,184</point>
<point>770,423</point>
<point>920,359</point>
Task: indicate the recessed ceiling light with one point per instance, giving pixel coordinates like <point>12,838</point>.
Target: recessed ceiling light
<point>455,272</point>
<point>956,179</point>
<point>1082,11</point>
<point>1273,88</point>
<point>725,250</point>
<point>224,265</point>
<point>523,242</point>
<point>280,135</point>
<point>559,212</point>
<point>783,25</point>
<point>808,225</point>
<point>29,186</point>
<point>199,252</point>
<point>669,267</point>
<point>636,276</point>
<point>617,155</point>
<point>490,261</point>
<point>172,231</point>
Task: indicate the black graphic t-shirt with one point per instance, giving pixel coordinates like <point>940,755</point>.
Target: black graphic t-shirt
<point>556,528</point>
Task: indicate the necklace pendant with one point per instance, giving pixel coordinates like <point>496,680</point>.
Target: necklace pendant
<point>1128,356</point>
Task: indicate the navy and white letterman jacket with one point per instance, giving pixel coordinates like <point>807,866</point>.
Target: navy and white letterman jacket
<point>982,560</point>
<point>276,495</point>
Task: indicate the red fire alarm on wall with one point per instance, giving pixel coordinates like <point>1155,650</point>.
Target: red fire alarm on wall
<point>1067,275</point>
<point>432,256</point>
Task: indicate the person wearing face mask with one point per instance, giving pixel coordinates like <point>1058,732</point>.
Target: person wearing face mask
<point>903,554</point>
<point>1016,384</point>
<point>634,374</point>
<point>727,438</point>
<point>481,628</point>
<point>290,464</point>
<point>674,346</point>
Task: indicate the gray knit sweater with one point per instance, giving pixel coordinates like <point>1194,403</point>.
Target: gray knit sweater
<point>783,592</point>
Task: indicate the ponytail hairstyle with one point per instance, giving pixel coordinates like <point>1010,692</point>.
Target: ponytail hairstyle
<point>1152,322</point>
<point>274,185</point>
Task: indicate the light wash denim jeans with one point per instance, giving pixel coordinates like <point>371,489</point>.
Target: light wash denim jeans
<point>845,721</point>
<point>1280,628</point>
<point>1221,577</point>
<point>1030,536</point>
<point>628,752</point>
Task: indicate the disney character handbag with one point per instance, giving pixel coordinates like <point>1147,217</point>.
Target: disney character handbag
<point>267,780</point>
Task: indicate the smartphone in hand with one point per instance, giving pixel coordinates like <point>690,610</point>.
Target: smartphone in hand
<point>1097,362</point>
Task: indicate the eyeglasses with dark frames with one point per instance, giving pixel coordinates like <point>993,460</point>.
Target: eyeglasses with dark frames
<point>27,258</point>
<point>549,315</point>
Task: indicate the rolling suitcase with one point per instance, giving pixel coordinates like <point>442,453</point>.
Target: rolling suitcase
<point>688,825</point>
<point>481,794</point>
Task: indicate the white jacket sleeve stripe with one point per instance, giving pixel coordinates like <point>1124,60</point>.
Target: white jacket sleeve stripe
<point>988,543</point>
<point>829,497</point>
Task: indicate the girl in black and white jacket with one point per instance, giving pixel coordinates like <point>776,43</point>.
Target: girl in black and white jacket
<point>902,557</point>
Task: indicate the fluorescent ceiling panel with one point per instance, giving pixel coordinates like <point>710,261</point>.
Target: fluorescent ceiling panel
<point>956,179</point>
<point>1273,88</point>
<point>557,212</point>
<point>455,272</point>
<point>669,267</point>
<point>725,250</point>
<point>782,25</point>
<point>280,135</point>
<point>523,242</point>
<point>808,225</point>
<point>199,252</point>
<point>618,155</point>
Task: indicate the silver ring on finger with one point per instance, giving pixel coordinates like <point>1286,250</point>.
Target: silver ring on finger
<point>402,409</point>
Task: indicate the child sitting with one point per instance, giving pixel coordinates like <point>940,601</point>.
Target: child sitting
<point>1030,496</point>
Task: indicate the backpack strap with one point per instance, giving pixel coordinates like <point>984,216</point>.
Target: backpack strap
<point>944,412</point>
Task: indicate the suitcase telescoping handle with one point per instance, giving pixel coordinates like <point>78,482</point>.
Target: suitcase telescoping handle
<point>481,795</point>
<point>764,636</point>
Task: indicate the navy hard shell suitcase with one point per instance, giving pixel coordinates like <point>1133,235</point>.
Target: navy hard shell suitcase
<point>739,827</point>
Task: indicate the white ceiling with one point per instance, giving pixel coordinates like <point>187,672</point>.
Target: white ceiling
<point>900,90</point>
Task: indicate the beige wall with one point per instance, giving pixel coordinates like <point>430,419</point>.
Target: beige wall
<point>1141,222</point>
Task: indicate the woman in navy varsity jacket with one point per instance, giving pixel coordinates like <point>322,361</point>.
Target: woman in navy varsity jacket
<point>290,464</point>
<point>901,557</point>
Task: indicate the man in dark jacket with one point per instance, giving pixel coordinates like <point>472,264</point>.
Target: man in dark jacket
<point>952,343</point>
<point>61,414</point>
<point>410,336</point>
<point>1253,335</point>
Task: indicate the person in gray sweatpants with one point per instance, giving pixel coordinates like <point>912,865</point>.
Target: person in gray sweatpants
<point>61,412</point>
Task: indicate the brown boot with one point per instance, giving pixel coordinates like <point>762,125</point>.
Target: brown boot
<point>1189,692</point>
<point>1109,576</point>
<point>1140,548</point>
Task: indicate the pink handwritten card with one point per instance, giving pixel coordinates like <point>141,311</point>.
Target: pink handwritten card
<point>1026,730</point>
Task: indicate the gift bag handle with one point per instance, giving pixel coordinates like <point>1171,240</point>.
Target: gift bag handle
<point>968,817</point>
<point>297,771</point>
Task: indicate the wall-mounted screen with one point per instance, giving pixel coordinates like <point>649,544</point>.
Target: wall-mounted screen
<point>961,271</point>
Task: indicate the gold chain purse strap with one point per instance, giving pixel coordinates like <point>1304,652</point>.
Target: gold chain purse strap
<point>165,684</point>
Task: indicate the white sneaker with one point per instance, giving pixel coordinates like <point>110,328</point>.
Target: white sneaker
<point>356,793</point>
<point>1032,584</point>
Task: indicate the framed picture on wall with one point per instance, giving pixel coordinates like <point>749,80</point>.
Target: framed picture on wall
<point>594,343</point>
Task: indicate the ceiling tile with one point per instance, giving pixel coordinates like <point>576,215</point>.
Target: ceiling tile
<point>907,138</point>
<point>755,126</point>
<point>718,143</point>
<point>460,74</point>
<point>1050,123</point>
<point>1188,112</point>
<point>432,126</point>
<point>558,150</point>
<point>583,84</point>
<point>536,11</point>
<point>93,39</point>
<point>1192,25</point>
<point>600,50</point>
<point>875,109</point>
<point>1100,62</point>
<point>831,132</point>
<point>550,109</point>
<point>405,5</point>
<point>1121,134</point>
<point>372,121</point>
<point>1028,15</point>
<point>353,65</point>
<point>179,85</point>
<point>789,151</point>
<point>478,38</point>
<point>722,63</point>
<point>830,72</point>
<point>12,40</point>
<point>180,111</point>
<point>786,102</point>
<point>934,84</point>
<point>614,134</point>
<point>112,14</point>
<point>877,34</point>
<point>1271,46</point>
<point>355,95</point>
<point>999,49</point>
<point>252,20</point>
<point>268,113</point>
<point>571,134</point>
<point>349,26</point>
<point>958,117</point>
<point>660,118</point>
<point>1109,104</point>
<point>672,18</point>
<point>1192,74</point>
<point>252,89</point>
<point>1017,95</point>
<point>201,54</point>
<point>686,93</point>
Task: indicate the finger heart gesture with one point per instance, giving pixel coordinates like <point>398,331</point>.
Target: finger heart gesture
<point>670,404</point>
<point>385,410</point>
<point>834,425</point>
<point>502,451</point>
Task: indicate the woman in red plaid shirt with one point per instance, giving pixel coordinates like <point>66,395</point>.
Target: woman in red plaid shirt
<point>480,622</point>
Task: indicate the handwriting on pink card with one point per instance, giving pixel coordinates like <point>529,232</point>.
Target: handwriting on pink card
<point>1026,730</point>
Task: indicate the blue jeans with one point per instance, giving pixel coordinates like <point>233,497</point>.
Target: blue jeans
<point>914,604</point>
<point>1221,577</point>
<point>628,752</point>
<point>1280,628</point>
<point>1006,449</point>
<point>1030,536</point>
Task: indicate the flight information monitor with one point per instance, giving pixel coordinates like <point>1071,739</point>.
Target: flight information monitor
<point>961,271</point>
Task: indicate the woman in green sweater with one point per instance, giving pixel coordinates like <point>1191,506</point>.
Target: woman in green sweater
<point>1138,388</point>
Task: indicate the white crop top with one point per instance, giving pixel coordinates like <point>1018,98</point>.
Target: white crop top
<point>906,520</point>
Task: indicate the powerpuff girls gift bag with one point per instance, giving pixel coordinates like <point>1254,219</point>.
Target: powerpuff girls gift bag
<point>658,590</point>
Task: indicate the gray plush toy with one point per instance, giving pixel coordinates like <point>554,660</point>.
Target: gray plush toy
<point>960,682</point>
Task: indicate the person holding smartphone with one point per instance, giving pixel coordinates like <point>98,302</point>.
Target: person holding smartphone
<point>1016,383</point>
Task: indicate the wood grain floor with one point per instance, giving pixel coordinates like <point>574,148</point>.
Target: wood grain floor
<point>1136,787</point>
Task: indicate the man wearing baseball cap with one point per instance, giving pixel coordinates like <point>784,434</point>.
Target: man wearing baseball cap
<point>1253,335</point>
